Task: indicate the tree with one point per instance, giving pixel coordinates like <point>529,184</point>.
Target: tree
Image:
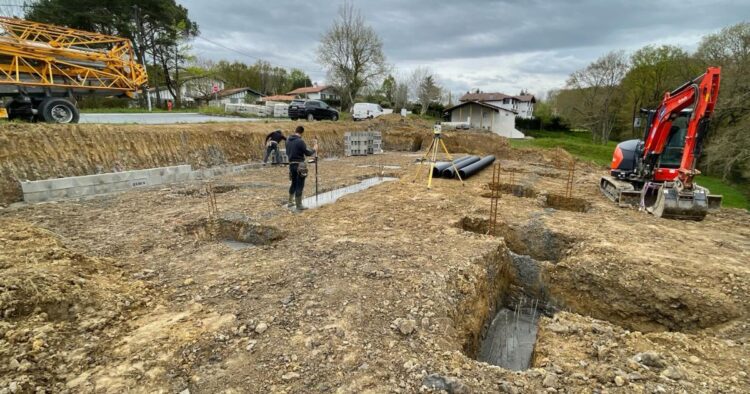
<point>428,92</point>
<point>598,87</point>
<point>156,28</point>
<point>352,53</point>
<point>728,148</point>
<point>298,79</point>
<point>654,71</point>
<point>388,88</point>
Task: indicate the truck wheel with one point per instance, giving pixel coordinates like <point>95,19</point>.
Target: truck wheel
<point>58,110</point>
<point>310,117</point>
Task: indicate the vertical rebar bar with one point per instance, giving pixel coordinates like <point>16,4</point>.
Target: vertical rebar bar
<point>494,197</point>
<point>569,184</point>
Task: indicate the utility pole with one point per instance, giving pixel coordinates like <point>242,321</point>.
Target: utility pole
<point>142,50</point>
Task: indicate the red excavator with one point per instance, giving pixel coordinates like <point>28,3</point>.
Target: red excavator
<point>657,173</point>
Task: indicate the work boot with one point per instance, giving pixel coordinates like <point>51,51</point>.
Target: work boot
<point>298,201</point>
<point>290,204</point>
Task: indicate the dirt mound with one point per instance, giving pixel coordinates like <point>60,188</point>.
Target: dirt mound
<point>53,301</point>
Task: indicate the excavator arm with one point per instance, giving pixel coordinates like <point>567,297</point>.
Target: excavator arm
<point>700,94</point>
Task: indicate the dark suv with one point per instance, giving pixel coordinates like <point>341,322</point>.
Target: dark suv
<point>312,110</point>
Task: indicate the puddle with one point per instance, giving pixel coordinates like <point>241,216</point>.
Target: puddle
<point>333,195</point>
<point>510,339</point>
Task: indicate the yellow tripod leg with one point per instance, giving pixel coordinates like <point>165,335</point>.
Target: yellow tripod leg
<point>432,163</point>
<point>421,161</point>
<point>450,158</point>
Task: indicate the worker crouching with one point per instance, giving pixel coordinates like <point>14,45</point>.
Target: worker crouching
<point>296,149</point>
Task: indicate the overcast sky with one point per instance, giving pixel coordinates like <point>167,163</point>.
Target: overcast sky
<point>493,45</point>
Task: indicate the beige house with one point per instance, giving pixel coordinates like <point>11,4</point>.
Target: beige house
<point>479,115</point>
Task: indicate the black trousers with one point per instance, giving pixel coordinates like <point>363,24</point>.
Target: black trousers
<point>273,148</point>
<point>298,182</point>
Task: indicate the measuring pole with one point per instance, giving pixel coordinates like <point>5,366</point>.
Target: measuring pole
<point>316,171</point>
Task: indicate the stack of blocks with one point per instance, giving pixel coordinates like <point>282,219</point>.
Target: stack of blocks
<point>362,143</point>
<point>282,154</point>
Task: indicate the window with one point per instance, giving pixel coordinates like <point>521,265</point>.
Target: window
<point>234,100</point>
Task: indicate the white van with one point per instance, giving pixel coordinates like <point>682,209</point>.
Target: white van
<point>362,111</point>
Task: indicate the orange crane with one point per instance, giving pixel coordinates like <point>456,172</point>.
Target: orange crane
<point>43,67</point>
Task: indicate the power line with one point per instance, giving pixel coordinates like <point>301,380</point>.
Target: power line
<point>245,54</point>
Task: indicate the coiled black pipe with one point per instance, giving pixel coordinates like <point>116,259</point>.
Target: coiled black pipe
<point>441,166</point>
<point>449,173</point>
<point>472,169</point>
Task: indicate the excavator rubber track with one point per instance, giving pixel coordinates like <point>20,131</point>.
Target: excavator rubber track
<point>623,193</point>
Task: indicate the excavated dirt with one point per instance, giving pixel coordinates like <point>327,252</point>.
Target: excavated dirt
<point>391,289</point>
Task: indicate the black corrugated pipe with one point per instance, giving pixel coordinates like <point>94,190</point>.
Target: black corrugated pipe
<point>449,173</point>
<point>472,169</point>
<point>441,166</point>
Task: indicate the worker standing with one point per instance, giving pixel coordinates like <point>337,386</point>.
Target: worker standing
<point>296,149</point>
<point>272,144</point>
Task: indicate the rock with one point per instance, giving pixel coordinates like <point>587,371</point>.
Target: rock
<point>250,346</point>
<point>13,387</point>
<point>650,359</point>
<point>558,328</point>
<point>660,389</point>
<point>619,381</point>
<point>261,327</point>
<point>550,381</point>
<point>290,375</point>
<point>447,384</point>
<point>508,388</point>
<point>14,364</point>
<point>405,326</point>
<point>674,373</point>
<point>186,391</point>
<point>694,360</point>
<point>188,281</point>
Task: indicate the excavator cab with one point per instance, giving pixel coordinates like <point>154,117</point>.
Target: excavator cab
<point>672,155</point>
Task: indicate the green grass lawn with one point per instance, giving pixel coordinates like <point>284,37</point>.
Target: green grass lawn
<point>580,145</point>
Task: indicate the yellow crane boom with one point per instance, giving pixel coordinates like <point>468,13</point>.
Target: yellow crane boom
<point>39,62</point>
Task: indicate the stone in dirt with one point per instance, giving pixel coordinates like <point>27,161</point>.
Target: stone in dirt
<point>619,381</point>
<point>650,359</point>
<point>447,384</point>
<point>674,373</point>
<point>405,326</point>
<point>290,375</point>
<point>550,381</point>
<point>261,328</point>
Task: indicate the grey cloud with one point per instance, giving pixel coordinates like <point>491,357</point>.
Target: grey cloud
<point>562,35</point>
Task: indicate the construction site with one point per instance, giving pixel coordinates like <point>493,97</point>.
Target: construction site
<point>521,278</point>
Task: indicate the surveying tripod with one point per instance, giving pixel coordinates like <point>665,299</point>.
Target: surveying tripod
<point>432,153</point>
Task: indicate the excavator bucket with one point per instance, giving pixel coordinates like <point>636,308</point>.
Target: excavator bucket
<point>714,202</point>
<point>680,204</point>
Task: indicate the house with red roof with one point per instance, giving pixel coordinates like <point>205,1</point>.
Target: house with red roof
<point>523,104</point>
<point>318,92</point>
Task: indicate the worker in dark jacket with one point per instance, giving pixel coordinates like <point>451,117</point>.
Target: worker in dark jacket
<point>296,149</point>
<point>272,144</point>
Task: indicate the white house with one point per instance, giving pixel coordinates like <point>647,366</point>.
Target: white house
<point>485,116</point>
<point>233,96</point>
<point>191,91</point>
<point>523,104</point>
<point>321,92</point>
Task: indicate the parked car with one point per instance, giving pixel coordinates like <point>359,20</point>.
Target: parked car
<point>312,110</point>
<point>362,111</point>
